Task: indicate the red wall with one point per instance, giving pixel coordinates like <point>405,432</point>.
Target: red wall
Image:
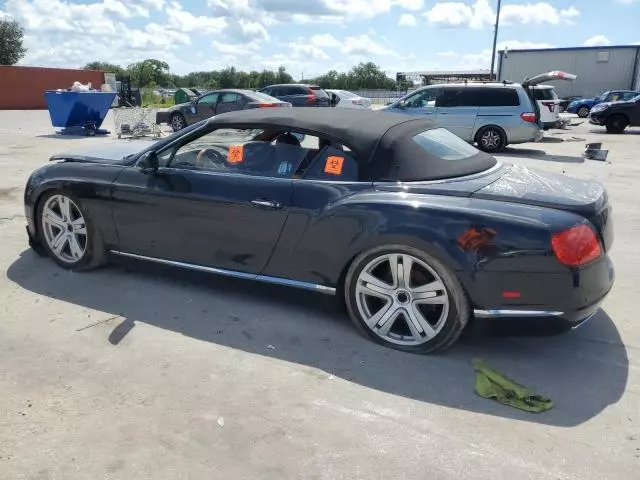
<point>24,87</point>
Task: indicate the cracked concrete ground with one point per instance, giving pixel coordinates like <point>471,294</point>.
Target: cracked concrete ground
<point>141,372</point>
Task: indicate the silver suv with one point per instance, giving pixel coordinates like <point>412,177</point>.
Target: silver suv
<point>492,115</point>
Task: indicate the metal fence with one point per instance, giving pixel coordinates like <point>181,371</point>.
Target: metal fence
<point>381,97</point>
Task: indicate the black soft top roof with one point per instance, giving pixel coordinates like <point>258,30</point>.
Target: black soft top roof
<point>381,141</point>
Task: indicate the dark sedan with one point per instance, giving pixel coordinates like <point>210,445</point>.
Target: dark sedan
<point>416,230</point>
<point>616,116</point>
<point>215,103</point>
<point>299,95</point>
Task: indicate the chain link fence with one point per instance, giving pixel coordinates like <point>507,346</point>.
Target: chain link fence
<point>381,97</point>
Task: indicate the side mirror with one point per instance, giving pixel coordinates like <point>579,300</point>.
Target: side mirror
<point>148,163</point>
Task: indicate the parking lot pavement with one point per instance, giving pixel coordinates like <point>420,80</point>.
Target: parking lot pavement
<point>139,372</point>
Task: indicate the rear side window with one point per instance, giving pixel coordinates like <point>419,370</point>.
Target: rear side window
<point>499,97</point>
<point>544,94</point>
<point>444,144</point>
<point>319,92</point>
<point>461,97</point>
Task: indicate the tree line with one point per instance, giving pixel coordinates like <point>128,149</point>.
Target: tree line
<point>153,73</point>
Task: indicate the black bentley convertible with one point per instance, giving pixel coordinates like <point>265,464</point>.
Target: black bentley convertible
<point>413,228</point>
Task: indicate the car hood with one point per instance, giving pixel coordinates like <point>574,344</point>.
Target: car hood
<point>105,153</point>
<point>520,184</point>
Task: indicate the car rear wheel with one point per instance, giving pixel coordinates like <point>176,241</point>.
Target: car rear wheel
<point>67,234</point>
<point>405,299</point>
<point>616,124</point>
<point>491,139</point>
<point>583,112</point>
<point>177,122</point>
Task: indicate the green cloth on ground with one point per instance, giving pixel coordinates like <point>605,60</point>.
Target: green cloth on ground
<point>493,385</point>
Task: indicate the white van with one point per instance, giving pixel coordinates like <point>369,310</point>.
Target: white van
<point>549,105</point>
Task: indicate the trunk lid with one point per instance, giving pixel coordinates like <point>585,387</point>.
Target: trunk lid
<point>583,197</point>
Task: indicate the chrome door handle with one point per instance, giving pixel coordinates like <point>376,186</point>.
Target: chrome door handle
<point>266,204</point>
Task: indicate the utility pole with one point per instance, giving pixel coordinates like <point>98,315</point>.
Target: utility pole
<point>495,39</point>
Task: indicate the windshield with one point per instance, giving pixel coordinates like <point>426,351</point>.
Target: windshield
<point>603,96</point>
<point>444,144</point>
<point>635,99</point>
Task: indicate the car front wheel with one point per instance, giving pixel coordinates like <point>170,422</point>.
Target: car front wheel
<point>67,234</point>
<point>405,299</point>
<point>583,112</point>
<point>616,124</point>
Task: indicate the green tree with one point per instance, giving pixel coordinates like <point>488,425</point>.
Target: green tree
<point>149,73</point>
<point>11,36</point>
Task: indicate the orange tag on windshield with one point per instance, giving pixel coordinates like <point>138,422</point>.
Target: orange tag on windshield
<point>236,153</point>
<point>333,165</point>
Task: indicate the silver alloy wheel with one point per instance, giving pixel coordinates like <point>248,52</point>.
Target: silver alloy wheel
<point>64,228</point>
<point>177,122</point>
<point>490,139</point>
<point>402,299</point>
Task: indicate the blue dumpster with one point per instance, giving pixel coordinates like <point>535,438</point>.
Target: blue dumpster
<point>79,113</point>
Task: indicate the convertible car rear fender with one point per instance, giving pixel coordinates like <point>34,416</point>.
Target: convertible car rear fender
<point>466,234</point>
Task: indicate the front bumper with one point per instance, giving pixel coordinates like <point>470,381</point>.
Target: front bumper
<point>596,119</point>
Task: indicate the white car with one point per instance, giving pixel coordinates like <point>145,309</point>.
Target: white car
<point>344,99</point>
<point>549,105</point>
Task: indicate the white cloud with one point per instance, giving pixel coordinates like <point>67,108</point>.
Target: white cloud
<point>184,21</point>
<point>236,49</point>
<point>410,4</point>
<point>628,2</point>
<point>325,40</point>
<point>597,41</point>
<point>482,60</point>
<point>539,13</point>
<point>364,45</point>
<point>307,51</point>
<point>481,14</point>
<point>458,14</point>
<point>407,20</point>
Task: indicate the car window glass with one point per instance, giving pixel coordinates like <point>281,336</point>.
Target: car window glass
<point>498,97</point>
<point>628,95</point>
<point>544,94</point>
<point>460,97</point>
<point>613,97</point>
<point>284,91</point>
<point>333,163</point>
<point>229,97</point>
<point>444,144</point>
<point>423,99</point>
<point>210,99</point>
<point>236,151</point>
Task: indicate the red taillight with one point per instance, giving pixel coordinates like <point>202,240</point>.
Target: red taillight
<point>576,246</point>
<point>549,105</point>
<point>311,98</point>
<point>356,101</point>
<point>268,105</point>
<point>528,117</point>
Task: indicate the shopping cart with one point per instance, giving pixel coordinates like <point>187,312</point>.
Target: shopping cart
<point>135,122</point>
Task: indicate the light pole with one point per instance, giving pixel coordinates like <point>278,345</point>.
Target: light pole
<point>495,38</point>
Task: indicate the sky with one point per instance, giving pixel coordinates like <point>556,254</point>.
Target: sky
<point>310,37</point>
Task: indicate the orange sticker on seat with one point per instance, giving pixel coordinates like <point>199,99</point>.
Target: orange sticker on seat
<point>333,165</point>
<point>236,153</point>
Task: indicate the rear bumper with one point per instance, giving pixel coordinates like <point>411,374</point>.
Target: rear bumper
<point>562,300</point>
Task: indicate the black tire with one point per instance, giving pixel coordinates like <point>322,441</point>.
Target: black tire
<point>583,112</point>
<point>459,309</point>
<point>616,123</point>
<point>491,139</point>
<point>94,253</point>
<point>177,121</point>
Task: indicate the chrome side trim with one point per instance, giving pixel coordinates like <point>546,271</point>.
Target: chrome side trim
<point>230,273</point>
<point>516,313</point>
